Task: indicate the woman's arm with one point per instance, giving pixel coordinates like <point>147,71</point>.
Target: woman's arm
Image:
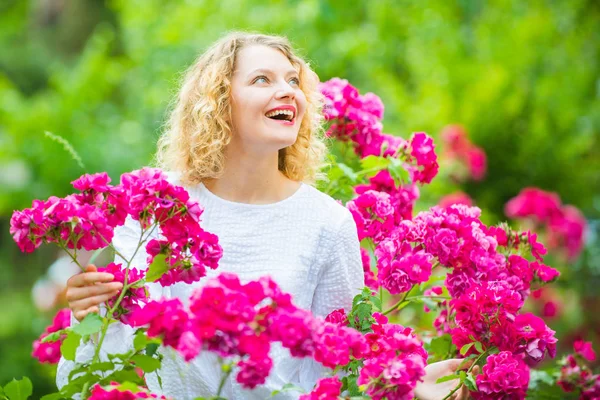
<point>119,337</point>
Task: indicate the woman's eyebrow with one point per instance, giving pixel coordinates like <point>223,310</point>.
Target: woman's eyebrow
<point>269,72</point>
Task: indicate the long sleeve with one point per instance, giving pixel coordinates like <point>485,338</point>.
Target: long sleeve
<point>119,337</point>
<point>342,276</point>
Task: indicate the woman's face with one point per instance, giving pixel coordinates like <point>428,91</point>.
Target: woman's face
<point>267,103</point>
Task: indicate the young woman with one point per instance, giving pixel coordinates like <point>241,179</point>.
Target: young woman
<point>245,139</point>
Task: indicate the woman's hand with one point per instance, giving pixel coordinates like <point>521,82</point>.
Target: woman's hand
<point>429,390</point>
<point>85,291</point>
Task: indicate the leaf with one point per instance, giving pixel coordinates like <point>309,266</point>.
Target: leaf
<point>102,366</point>
<point>19,390</point>
<point>53,337</point>
<point>478,347</point>
<point>471,383</point>
<point>53,396</point>
<point>69,345</point>
<point>157,268</point>
<point>376,302</point>
<point>448,378</point>
<point>440,346</point>
<point>288,387</point>
<point>132,387</point>
<point>373,163</point>
<point>348,172</point>
<point>465,348</point>
<point>92,323</point>
<point>398,171</point>
<point>146,363</point>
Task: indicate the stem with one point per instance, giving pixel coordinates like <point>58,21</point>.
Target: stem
<point>427,297</point>
<point>398,304</point>
<point>222,383</point>
<point>449,395</point>
<point>73,258</point>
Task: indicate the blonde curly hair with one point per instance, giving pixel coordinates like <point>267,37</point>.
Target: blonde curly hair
<point>199,127</point>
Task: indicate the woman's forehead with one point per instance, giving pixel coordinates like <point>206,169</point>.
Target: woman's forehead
<point>259,58</point>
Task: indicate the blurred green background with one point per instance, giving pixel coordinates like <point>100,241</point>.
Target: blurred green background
<point>523,78</point>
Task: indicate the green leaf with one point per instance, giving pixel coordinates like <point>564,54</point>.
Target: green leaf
<point>376,302</point>
<point>53,337</point>
<point>69,345</point>
<point>19,390</point>
<point>157,268</point>
<point>478,347</point>
<point>102,366</point>
<point>348,172</point>
<point>146,363</point>
<point>132,387</point>
<point>471,383</point>
<point>398,172</point>
<point>448,378</point>
<point>440,346</point>
<point>465,348</point>
<point>288,387</point>
<point>373,163</point>
<point>92,323</point>
<point>53,396</point>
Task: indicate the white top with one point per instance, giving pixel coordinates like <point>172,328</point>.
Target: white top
<point>307,243</point>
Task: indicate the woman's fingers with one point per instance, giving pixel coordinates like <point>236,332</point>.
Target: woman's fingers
<point>89,278</point>
<point>80,314</point>
<point>93,301</point>
<point>77,293</point>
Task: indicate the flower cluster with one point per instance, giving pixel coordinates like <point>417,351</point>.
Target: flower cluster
<point>402,198</point>
<point>87,220</point>
<point>575,375</point>
<point>49,352</point>
<point>239,320</point>
<point>488,281</point>
<point>326,389</point>
<point>134,298</point>
<point>565,225</point>
<point>503,377</point>
<point>357,119</point>
<point>115,392</point>
<point>458,147</point>
<point>394,363</point>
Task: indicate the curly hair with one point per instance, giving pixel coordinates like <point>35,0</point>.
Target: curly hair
<point>199,127</point>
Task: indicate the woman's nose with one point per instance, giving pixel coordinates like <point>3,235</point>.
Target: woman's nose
<point>285,90</point>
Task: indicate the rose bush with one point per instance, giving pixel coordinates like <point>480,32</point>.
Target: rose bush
<point>488,272</point>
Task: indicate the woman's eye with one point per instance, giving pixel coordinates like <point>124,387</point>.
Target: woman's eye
<point>261,79</point>
<point>295,81</point>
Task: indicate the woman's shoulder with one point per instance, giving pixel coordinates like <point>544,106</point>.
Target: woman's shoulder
<point>332,211</point>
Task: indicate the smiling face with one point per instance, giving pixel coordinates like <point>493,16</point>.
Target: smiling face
<point>267,102</point>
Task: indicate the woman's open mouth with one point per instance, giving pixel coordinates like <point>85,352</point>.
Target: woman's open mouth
<point>285,116</point>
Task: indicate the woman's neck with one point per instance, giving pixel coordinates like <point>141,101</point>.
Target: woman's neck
<point>252,180</point>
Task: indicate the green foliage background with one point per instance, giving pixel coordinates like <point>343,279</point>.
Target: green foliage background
<point>522,77</point>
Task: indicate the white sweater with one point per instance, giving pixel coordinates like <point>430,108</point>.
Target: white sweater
<point>307,243</point>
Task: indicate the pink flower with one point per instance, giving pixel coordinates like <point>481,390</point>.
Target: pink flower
<point>325,389</point>
<point>584,349</point>
<point>254,371</point>
<point>422,149</point>
<point>373,214</point>
<point>503,377</point>
<point>114,392</point>
<point>135,296</point>
<point>370,279</point>
<point>337,317</point>
<point>92,182</point>
<point>402,198</point>
<point>456,198</point>
<point>534,202</point>
<point>543,272</point>
<point>167,319</point>
<point>49,352</point>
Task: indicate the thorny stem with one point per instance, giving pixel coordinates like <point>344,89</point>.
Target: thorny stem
<point>449,395</point>
<point>398,304</point>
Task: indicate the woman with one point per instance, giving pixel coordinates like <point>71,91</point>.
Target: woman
<point>245,139</point>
